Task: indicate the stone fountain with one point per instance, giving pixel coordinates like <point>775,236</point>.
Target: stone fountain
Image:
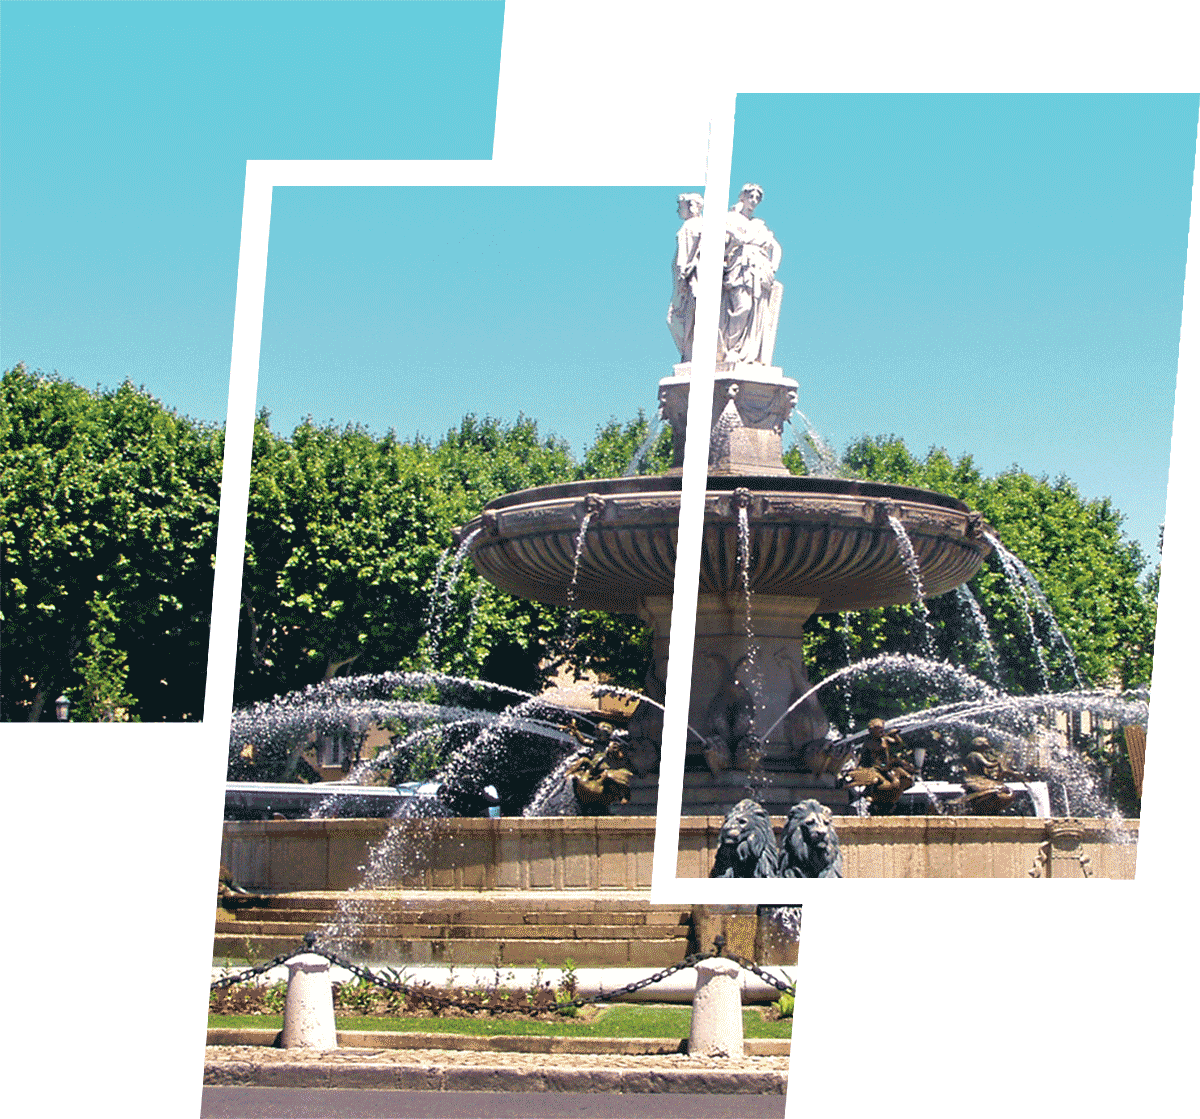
<point>777,549</point>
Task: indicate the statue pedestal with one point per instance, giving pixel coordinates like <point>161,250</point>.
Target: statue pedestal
<point>751,403</point>
<point>735,689</point>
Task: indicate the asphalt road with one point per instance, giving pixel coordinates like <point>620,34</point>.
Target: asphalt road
<point>358,1103</point>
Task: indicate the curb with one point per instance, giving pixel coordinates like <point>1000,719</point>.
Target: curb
<point>499,1043</point>
<point>495,1078</point>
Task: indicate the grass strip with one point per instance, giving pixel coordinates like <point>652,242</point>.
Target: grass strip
<point>616,1021</point>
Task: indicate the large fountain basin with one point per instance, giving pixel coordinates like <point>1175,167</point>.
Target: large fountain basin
<point>824,539</point>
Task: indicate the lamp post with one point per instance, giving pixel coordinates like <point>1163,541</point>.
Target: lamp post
<point>62,709</point>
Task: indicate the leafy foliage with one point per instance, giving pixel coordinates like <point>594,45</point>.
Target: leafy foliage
<point>1089,572</point>
<point>109,504</point>
<point>351,566</point>
<point>616,446</point>
<point>108,512</point>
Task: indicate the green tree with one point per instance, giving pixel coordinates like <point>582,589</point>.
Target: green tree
<point>351,564</point>
<point>104,668</point>
<point>1088,570</point>
<point>350,554</point>
<point>613,450</point>
<point>108,511</point>
<point>617,647</point>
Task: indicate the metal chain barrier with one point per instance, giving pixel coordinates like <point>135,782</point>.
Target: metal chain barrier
<point>429,995</point>
<point>766,977</point>
<point>250,973</point>
<point>629,988</point>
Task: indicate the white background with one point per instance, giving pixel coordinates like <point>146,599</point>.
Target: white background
<point>989,996</point>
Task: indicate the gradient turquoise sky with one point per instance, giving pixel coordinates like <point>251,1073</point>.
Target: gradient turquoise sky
<point>408,306</point>
<point>126,130</point>
<point>998,274</point>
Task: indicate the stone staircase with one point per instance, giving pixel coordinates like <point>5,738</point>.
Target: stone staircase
<point>593,929</point>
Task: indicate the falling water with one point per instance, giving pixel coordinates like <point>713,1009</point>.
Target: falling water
<point>438,616</point>
<point>1027,580</point>
<point>844,631</point>
<point>759,780</point>
<point>931,672</point>
<point>718,444</point>
<point>1125,707</point>
<point>912,568</point>
<point>332,704</point>
<point>568,637</point>
<point>555,796</point>
<point>629,693</point>
<point>819,457</point>
<point>398,855</point>
<point>640,454</point>
<point>434,598</point>
<point>479,760</point>
<point>1004,722</point>
<point>406,842</point>
<point>1018,586</point>
<point>743,562</point>
<point>473,610</point>
<point>972,603</point>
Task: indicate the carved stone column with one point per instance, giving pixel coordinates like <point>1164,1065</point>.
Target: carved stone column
<point>751,403</point>
<point>729,668</point>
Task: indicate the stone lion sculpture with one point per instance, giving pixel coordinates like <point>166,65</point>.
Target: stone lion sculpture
<point>746,845</point>
<point>809,847</point>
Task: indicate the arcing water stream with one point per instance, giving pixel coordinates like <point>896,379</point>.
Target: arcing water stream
<point>478,744</point>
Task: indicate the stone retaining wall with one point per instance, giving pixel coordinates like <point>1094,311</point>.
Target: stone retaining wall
<point>616,853</point>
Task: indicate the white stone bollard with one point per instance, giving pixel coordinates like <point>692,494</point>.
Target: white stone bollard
<point>717,1011</point>
<point>308,1021</point>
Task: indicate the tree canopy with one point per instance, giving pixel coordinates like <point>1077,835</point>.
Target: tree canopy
<point>1091,575</point>
<point>108,513</point>
<point>109,505</point>
<point>350,563</point>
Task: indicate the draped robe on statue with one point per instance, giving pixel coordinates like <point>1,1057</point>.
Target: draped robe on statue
<point>681,316</point>
<point>749,293</point>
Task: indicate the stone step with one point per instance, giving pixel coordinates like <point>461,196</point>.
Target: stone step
<point>577,902</point>
<point>398,952</point>
<point>419,931</point>
<point>456,915</point>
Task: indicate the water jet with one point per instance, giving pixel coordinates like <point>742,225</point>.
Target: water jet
<point>777,549</point>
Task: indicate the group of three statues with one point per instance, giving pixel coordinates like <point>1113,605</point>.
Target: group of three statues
<point>750,294</point>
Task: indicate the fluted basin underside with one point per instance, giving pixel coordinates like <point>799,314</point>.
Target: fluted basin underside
<point>827,539</point>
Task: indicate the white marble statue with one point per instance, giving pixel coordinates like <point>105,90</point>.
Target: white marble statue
<point>681,315</point>
<point>750,295</point>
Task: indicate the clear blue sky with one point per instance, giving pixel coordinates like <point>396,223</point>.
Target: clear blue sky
<point>993,274</point>
<point>407,306</point>
<point>1000,275</point>
<point>126,129</point>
